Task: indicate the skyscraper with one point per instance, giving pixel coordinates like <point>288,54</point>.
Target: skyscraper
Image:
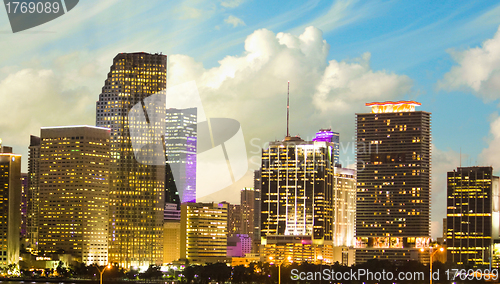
<point>247,211</point>
<point>73,192</point>
<point>257,213</point>
<point>393,175</point>
<point>33,197</point>
<point>10,207</point>
<point>203,232</point>
<point>257,202</point>
<point>132,105</point>
<point>307,204</point>
<point>180,148</point>
<point>24,206</point>
<point>473,216</point>
<point>233,218</point>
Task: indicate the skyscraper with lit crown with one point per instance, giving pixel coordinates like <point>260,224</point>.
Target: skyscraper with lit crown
<point>393,175</point>
<point>307,204</point>
<point>137,186</point>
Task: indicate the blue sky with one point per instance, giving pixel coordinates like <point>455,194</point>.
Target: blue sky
<point>337,55</point>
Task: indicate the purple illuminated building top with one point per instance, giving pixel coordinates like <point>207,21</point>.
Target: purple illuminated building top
<point>324,135</point>
<point>327,135</point>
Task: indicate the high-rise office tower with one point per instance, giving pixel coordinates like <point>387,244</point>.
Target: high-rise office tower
<point>257,213</point>
<point>233,218</point>
<point>33,198</point>
<point>24,207</point>
<point>180,148</point>
<point>472,234</point>
<point>301,200</point>
<point>393,175</point>
<point>247,211</point>
<point>132,105</point>
<point>307,204</point>
<point>10,213</point>
<point>73,192</point>
<point>203,232</point>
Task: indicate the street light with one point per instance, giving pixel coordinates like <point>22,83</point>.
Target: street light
<point>441,249</point>
<point>102,271</point>
<point>279,267</point>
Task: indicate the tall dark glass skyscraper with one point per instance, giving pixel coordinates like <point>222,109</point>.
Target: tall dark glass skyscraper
<point>180,148</point>
<point>132,105</point>
<point>393,175</point>
<point>473,216</point>
<point>33,197</point>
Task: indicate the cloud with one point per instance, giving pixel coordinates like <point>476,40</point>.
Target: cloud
<point>252,88</point>
<point>35,98</point>
<point>232,20</point>
<point>443,161</point>
<point>64,94</point>
<point>231,3</point>
<point>478,70</point>
<point>345,83</point>
<point>490,156</point>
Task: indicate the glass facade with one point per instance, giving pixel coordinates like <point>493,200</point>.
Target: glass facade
<point>472,215</point>
<point>33,193</point>
<point>137,187</point>
<point>180,149</point>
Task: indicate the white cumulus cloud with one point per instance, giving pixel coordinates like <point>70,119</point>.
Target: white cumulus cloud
<point>252,89</point>
<point>443,161</point>
<point>490,156</point>
<point>344,84</point>
<point>478,70</point>
<point>235,21</point>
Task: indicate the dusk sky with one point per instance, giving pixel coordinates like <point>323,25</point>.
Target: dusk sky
<point>241,53</point>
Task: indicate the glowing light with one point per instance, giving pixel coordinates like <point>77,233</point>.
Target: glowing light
<point>399,106</point>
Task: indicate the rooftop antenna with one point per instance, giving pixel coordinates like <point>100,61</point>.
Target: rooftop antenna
<point>288,111</point>
<point>460,156</point>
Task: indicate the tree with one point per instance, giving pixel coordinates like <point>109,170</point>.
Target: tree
<point>61,270</point>
<point>153,272</point>
<point>239,274</point>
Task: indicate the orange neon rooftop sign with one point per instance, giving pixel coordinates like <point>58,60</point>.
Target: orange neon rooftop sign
<point>399,106</point>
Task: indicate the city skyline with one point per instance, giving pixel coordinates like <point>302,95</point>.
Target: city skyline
<point>418,51</point>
